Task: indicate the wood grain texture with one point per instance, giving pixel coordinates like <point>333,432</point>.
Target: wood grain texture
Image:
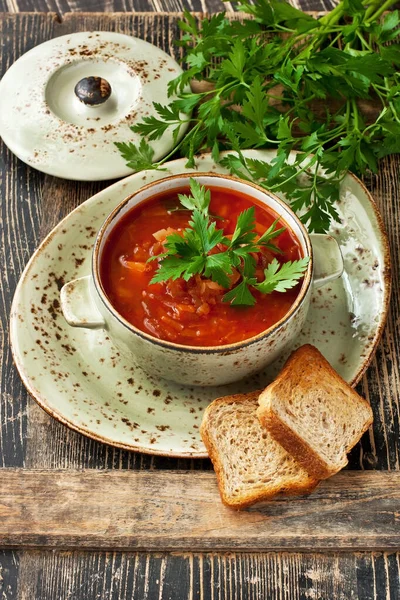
<point>209,576</point>
<point>381,384</point>
<point>29,436</point>
<point>21,190</point>
<point>127,510</point>
<point>109,6</point>
<point>30,203</point>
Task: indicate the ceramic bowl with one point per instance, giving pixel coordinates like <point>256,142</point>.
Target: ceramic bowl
<point>85,304</point>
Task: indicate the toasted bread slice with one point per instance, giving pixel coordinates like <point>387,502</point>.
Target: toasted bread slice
<point>313,413</point>
<point>250,466</point>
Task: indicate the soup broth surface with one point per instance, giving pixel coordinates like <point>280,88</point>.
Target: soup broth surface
<point>190,313</point>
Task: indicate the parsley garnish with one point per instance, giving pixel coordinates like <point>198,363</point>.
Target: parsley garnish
<point>189,254</point>
<point>264,77</point>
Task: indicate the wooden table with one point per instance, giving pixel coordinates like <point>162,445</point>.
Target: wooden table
<point>67,503</point>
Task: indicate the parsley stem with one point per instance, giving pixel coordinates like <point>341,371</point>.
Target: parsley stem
<point>176,148</point>
<point>301,170</point>
<point>379,93</point>
<point>333,16</point>
<point>363,41</point>
<point>280,98</point>
<point>342,55</point>
<point>355,115</point>
<point>335,39</point>
<point>371,16</point>
<point>392,106</point>
<point>327,21</point>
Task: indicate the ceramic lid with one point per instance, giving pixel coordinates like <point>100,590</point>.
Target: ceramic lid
<point>64,103</point>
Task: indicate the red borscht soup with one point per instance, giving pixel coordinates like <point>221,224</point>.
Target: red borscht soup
<point>190,312</point>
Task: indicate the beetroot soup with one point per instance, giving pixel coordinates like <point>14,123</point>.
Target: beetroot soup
<point>190,312</point>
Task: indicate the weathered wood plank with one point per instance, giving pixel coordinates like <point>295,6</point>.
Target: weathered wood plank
<point>127,510</point>
<point>32,203</point>
<point>108,6</point>
<point>238,576</point>
<point>113,576</point>
<point>20,213</point>
<point>42,442</point>
<point>9,567</point>
<point>381,384</point>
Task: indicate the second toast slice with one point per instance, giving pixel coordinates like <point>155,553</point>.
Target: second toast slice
<point>313,413</point>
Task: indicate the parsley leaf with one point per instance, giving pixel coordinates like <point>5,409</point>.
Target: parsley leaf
<point>241,295</point>
<point>188,254</point>
<point>243,233</point>
<point>199,199</point>
<point>173,267</point>
<point>280,278</point>
<point>265,79</point>
<point>137,158</point>
<point>270,234</point>
<point>192,252</point>
<point>218,267</point>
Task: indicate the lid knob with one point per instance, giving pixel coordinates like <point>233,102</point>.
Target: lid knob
<point>93,91</point>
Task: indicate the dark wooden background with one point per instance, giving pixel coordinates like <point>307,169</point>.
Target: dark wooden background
<point>31,204</point>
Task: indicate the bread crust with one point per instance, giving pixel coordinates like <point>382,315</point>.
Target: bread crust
<point>246,499</point>
<point>314,464</point>
<point>296,446</point>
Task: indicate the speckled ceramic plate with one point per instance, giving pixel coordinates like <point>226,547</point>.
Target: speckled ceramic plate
<point>78,376</point>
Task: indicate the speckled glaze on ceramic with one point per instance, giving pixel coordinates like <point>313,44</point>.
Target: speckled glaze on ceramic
<point>78,377</point>
<point>206,366</point>
<point>43,122</point>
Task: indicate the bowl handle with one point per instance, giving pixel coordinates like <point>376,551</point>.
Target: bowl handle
<point>328,260</point>
<point>78,306</point>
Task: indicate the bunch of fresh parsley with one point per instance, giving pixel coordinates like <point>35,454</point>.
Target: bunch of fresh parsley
<point>190,253</point>
<point>282,55</point>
